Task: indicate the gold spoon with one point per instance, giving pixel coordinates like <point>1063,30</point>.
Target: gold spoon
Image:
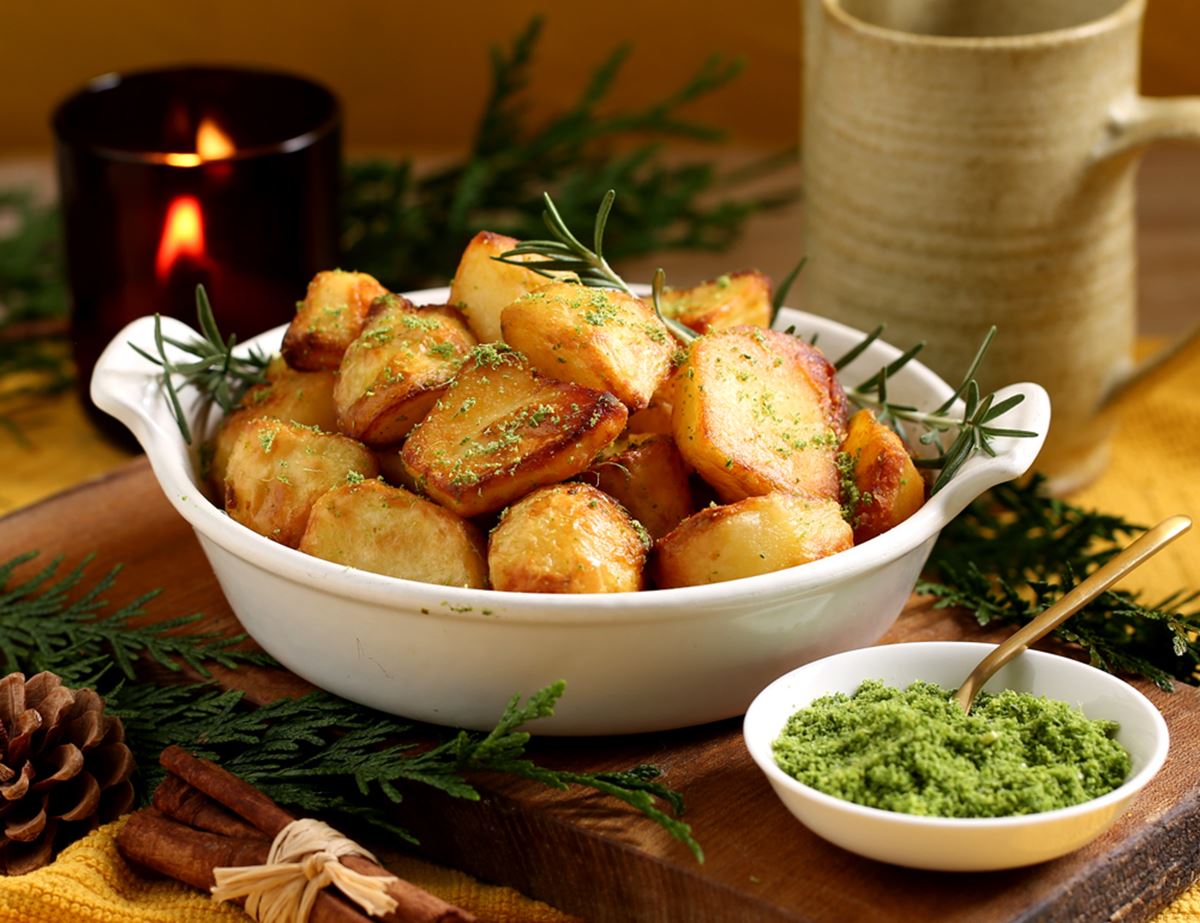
<point>1130,557</point>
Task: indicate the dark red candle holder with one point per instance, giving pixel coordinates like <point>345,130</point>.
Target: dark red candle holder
<point>222,176</point>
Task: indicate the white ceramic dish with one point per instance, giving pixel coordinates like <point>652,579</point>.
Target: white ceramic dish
<point>956,844</point>
<point>633,661</point>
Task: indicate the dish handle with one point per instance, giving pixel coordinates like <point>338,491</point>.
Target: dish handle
<point>1014,456</point>
<point>128,386</point>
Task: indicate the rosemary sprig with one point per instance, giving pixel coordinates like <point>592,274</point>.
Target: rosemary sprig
<point>1016,550</point>
<point>217,373</point>
<point>564,254</point>
<point>974,428</point>
<point>315,753</point>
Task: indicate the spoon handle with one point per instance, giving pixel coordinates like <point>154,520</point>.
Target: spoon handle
<point>1133,555</point>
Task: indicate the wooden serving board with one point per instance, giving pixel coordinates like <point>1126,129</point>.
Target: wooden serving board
<point>590,856</point>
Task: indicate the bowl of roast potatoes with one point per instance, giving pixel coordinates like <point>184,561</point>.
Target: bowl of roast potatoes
<point>440,499</point>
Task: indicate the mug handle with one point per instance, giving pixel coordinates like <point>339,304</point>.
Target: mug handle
<point>1134,122</point>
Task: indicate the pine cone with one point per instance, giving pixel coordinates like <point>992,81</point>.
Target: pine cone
<point>64,768</point>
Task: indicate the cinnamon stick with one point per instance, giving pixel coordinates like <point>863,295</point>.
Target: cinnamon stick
<point>244,800</point>
<point>188,855</point>
<point>179,801</point>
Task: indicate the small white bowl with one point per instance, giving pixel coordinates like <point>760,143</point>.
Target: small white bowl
<point>958,844</point>
<point>633,662</point>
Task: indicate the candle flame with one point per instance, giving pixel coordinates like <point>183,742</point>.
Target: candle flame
<point>182,236</point>
<point>211,144</point>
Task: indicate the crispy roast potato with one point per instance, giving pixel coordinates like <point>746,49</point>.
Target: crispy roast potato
<point>277,470</point>
<point>567,538</point>
<point>753,536</point>
<point>398,366</point>
<point>482,287</point>
<point>646,475</point>
<point>303,397</point>
<point>881,485</point>
<point>758,411</point>
<point>329,318</point>
<point>656,417</point>
<point>388,530</point>
<point>595,337</point>
<point>501,429</point>
<point>732,300</point>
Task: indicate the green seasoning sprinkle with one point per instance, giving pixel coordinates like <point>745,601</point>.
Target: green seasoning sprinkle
<point>914,751</point>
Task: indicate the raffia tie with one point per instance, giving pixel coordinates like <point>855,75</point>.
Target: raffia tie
<point>303,860</point>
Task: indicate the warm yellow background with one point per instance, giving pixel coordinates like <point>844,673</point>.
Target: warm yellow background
<point>412,75</point>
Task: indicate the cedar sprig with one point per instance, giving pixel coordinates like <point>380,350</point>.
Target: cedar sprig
<point>1016,550</point>
<point>217,372</point>
<point>973,429</point>
<point>53,622</point>
<point>315,753</point>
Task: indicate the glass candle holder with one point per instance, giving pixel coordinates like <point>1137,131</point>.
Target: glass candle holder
<point>225,177</point>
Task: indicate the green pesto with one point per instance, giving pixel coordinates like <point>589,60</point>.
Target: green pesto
<point>914,751</point>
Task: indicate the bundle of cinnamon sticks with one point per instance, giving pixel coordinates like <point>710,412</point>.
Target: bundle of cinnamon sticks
<point>204,817</point>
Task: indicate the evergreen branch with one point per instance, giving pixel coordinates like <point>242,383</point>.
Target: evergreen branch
<point>315,753</point>
<point>1016,551</point>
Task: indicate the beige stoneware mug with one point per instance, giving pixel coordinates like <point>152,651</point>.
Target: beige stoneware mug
<point>971,162</point>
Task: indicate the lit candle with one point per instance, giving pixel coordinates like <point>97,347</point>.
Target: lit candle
<point>171,178</point>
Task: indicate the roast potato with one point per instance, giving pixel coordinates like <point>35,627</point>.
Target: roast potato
<point>656,417</point>
<point>758,411</point>
<point>567,538</point>
<point>645,474</point>
<point>329,318</point>
<point>482,286</point>
<point>753,536</point>
<point>287,394</point>
<point>501,429</point>
<point>599,338</point>
<point>881,485</point>
<point>388,530</point>
<point>394,371</point>
<point>278,469</point>
<point>732,300</point>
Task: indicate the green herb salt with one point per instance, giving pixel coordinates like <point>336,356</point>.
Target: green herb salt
<point>914,751</point>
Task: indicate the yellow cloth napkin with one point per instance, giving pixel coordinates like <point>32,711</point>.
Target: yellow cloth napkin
<point>91,883</point>
<point>1154,472</point>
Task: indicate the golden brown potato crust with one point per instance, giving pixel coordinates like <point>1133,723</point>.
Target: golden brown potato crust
<point>388,530</point>
<point>395,370</point>
<point>501,430</point>
<point>567,538</point>
<point>302,397</point>
<point>888,488</point>
<point>757,535</point>
<point>595,337</point>
<point>277,471</point>
<point>646,475</point>
<point>329,318</point>
<point>482,287</point>
<point>732,300</point>
<point>758,411</point>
